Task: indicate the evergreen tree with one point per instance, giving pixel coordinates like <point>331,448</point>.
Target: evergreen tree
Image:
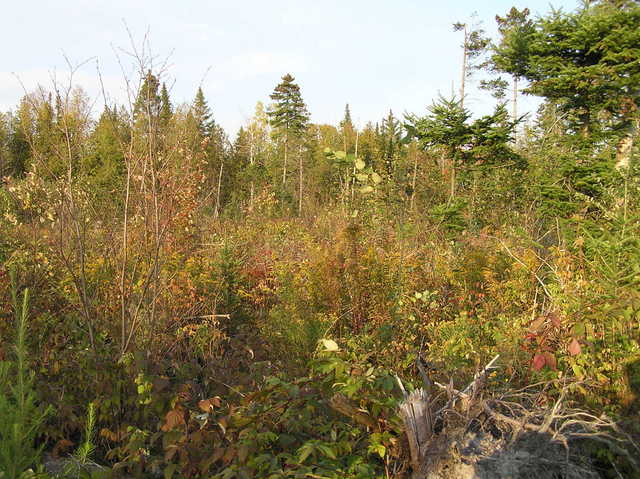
<point>584,61</point>
<point>202,114</point>
<point>481,143</point>
<point>148,102</point>
<point>5,134</point>
<point>348,131</point>
<point>515,29</point>
<point>166,109</point>
<point>288,115</point>
<point>18,147</point>
<point>106,163</point>
<point>390,142</point>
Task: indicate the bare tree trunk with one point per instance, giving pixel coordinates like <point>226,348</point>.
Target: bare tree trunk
<point>452,180</point>
<point>625,147</point>
<point>284,169</point>
<point>464,67</point>
<point>515,108</point>
<point>219,188</point>
<point>300,181</point>
<point>251,191</point>
<point>413,180</point>
<point>353,176</point>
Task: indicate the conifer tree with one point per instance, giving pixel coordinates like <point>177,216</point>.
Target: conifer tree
<point>202,114</point>
<point>148,101</point>
<point>18,147</point>
<point>146,116</point>
<point>390,136</point>
<point>348,131</point>
<point>590,68</point>
<point>514,28</point>
<point>166,109</point>
<point>106,163</point>
<point>289,118</point>
<point>483,142</point>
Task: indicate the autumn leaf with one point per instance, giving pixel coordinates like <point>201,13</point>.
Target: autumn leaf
<point>207,405</point>
<point>550,361</point>
<point>537,324</point>
<point>173,419</point>
<point>538,362</point>
<point>574,347</point>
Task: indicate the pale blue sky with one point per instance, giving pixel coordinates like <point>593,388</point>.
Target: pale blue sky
<point>374,54</point>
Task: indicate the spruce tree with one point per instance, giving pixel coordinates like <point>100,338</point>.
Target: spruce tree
<point>166,109</point>
<point>585,61</point>
<point>514,28</point>
<point>288,115</point>
<point>483,142</point>
<point>348,131</point>
<point>390,144</point>
<point>4,145</point>
<point>106,163</point>
<point>202,114</point>
<point>19,150</point>
<point>148,101</point>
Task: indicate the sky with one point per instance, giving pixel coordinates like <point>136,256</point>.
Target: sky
<point>375,55</point>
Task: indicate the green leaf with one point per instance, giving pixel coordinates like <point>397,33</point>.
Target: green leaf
<point>327,451</point>
<point>330,345</point>
<point>340,155</point>
<point>376,178</point>
<point>305,451</point>
<point>362,177</point>
<point>366,189</point>
<point>360,164</point>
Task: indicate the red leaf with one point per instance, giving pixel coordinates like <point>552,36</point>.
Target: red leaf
<point>555,319</point>
<point>574,347</point>
<point>550,361</point>
<point>538,362</point>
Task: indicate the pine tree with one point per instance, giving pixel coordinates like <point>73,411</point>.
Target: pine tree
<point>289,118</point>
<point>146,117</point>
<point>209,142</point>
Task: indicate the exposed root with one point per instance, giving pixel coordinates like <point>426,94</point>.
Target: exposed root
<point>523,433</point>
